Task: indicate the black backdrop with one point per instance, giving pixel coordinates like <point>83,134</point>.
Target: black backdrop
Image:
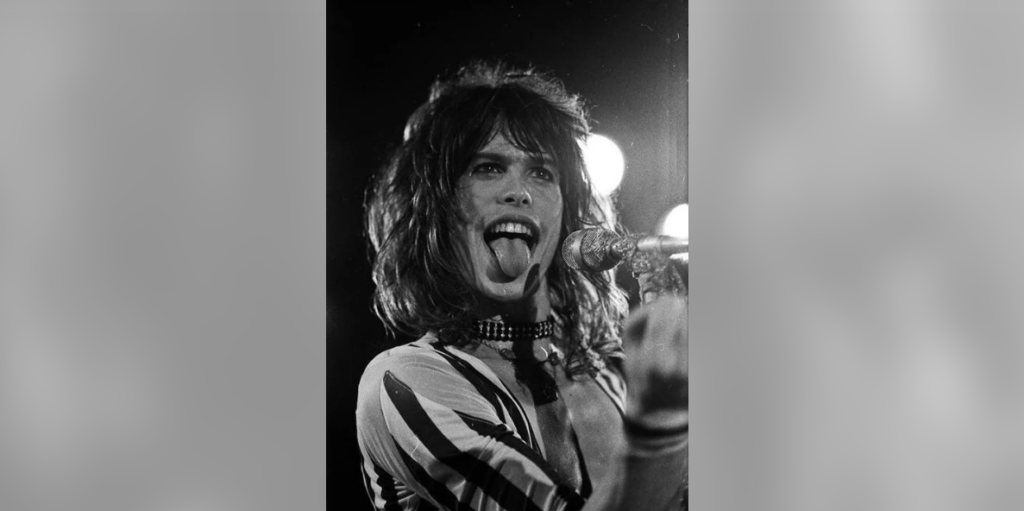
<point>627,59</point>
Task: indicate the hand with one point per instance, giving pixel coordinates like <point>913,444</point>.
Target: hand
<point>656,343</point>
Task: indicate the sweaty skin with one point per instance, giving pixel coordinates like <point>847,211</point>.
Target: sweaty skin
<point>503,183</point>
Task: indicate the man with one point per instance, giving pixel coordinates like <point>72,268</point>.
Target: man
<point>514,395</point>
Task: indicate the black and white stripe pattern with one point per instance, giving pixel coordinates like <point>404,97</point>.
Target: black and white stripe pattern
<point>445,433</point>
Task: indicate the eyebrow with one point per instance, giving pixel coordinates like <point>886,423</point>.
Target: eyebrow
<point>534,159</point>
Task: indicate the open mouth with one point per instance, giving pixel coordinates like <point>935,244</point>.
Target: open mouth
<point>512,243</point>
<point>512,230</point>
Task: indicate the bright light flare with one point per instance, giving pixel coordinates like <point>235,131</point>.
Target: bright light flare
<point>604,162</point>
<point>677,222</point>
<point>677,225</point>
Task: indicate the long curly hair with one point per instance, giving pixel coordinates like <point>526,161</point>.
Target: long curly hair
<point>412,211</point>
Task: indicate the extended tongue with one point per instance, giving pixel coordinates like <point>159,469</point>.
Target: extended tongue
<point>513,255</point>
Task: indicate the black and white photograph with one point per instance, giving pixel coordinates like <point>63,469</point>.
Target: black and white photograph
<point>507,255</point>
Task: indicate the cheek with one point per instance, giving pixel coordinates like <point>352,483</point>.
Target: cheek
<point>557,214</point>
<point>463,227</point>
<point>469,213</point>
<point>470,199</point>
<point>465,199</point>
<point>554,219</point>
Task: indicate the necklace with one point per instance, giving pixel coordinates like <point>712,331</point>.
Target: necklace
<point>552,355</point>
<point>498,331</point>
<point>530,370</point>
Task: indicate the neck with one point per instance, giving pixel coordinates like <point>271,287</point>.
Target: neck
<point>532,309</point>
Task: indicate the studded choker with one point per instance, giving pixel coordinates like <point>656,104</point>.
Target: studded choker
<point>497,331</point>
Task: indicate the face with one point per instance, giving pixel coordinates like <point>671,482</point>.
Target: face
<point>512,206</point>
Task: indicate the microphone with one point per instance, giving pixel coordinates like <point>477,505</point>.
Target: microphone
<point>599,249</point>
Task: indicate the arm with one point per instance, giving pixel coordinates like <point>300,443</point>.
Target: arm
<point>652,465</point>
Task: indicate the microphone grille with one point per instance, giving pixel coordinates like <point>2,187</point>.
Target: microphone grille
<point>587,249</point>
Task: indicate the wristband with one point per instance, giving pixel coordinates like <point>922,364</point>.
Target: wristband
<point>646,440</point>
<point>640,430</point>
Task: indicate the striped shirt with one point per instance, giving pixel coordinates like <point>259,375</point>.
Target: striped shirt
<point>437,429</point>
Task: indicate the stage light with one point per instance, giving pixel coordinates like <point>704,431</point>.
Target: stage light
<point>677,224</point>
<point>605,163</point>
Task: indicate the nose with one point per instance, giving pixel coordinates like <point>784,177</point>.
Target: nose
<point>516,193</point>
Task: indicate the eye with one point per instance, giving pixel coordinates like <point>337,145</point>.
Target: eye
<point>544,174</point>
<point>486,168</point>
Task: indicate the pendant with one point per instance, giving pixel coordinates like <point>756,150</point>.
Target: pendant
<point>540,354</point>
<point>551,355</point>
<point>546,392</point>
<point>542,385</point>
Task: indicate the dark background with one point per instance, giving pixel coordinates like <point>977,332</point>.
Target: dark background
<point>627,59</point>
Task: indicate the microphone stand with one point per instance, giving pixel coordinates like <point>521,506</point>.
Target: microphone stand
<point>655,272</point>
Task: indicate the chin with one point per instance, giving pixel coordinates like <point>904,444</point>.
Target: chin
<point>500,288</point>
